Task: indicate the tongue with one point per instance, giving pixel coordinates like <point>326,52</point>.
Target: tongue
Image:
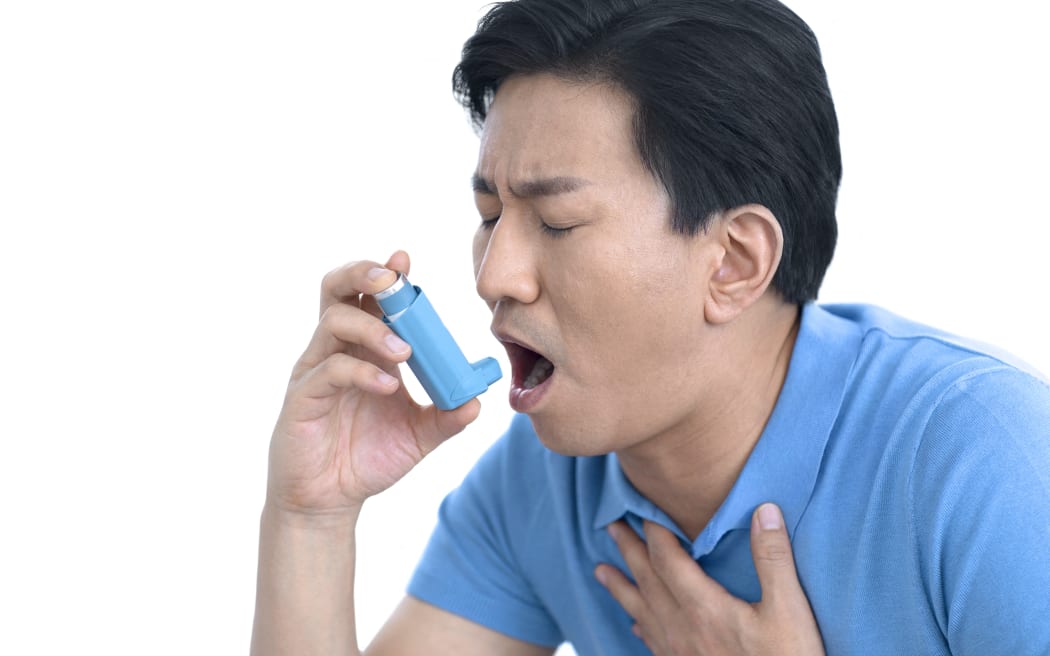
<point>541,371</point>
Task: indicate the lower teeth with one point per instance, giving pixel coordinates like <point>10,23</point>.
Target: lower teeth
<point>540,371</point>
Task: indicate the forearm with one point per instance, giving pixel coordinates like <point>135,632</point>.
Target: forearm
<point>305,589</point>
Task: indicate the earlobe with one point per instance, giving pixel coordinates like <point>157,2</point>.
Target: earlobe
<point>752,244</point>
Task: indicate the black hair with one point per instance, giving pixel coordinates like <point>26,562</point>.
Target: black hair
<point>732,104</point>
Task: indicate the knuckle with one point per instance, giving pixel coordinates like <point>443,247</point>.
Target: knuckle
<point>378,332</point>
<point>336,319</point>
<point>330,318</point>
<point>775,552</point>
<point>336,363</point>
<point>330,281</point>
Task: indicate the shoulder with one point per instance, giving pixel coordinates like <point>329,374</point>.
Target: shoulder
<point>911,369</point>
<point>966,389</point>
<point>966,428</point>
<point>979,505</point>
<point>889,339</point>
<point>954,417</point>
<point>991,421</point>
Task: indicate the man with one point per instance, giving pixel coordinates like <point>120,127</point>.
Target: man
<point>657,185</point>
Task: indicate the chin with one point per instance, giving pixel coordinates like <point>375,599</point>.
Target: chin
<point>569,438</point>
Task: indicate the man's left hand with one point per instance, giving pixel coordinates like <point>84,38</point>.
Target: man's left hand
<point>680,611</point>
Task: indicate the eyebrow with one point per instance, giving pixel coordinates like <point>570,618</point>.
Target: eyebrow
<point>532,188</point>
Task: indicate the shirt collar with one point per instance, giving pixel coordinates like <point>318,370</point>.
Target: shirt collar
<point>783,466</point>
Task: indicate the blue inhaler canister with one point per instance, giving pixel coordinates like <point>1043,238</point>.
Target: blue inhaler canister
<point>436,360</point>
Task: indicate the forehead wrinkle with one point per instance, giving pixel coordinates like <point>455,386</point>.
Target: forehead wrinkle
<point>542,128</point>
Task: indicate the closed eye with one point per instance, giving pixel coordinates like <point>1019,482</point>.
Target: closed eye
<point>555,232</point>
<point>549,230</point>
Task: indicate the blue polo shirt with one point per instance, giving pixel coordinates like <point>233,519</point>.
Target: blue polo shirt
<point>913,470</point>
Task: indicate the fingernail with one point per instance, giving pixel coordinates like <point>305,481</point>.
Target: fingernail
<point>395,344</point>
<point>376,273</point>
<point>385,379</point>
<point>769,518</point>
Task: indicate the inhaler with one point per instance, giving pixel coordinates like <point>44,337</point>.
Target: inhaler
<point>436,360</point>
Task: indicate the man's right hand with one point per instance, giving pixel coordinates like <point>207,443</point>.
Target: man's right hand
<point>348,429</point>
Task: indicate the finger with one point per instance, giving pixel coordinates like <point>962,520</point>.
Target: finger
<point>624,592</point>
<point>774,562</point>
<point>341,371</point>
<point>631,547</point>
<point>636,556</point>
<point>435,425</point>
<point>343,325</point>
<point>681,575</point>
<point>400,262</point>
<point>353,279</point>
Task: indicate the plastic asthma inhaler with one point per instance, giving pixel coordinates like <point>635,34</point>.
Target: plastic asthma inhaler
<point>436,360</point>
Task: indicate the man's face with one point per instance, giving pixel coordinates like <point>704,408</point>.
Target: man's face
<point>583,271</point>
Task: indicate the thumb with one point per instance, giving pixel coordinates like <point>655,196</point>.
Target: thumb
<point>399,261</point>
<point>771,551</point>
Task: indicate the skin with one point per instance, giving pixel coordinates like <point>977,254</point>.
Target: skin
<point>620,304</point>
<point>670,308</point>
<point>680,611</point>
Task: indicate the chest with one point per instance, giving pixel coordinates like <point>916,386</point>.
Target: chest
<point>863,590</point>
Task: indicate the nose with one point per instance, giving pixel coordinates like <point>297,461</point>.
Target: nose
<point>505,264</point>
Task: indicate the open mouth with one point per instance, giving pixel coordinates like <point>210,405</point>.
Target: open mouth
<point>530,369</point>
<point>531,372</point>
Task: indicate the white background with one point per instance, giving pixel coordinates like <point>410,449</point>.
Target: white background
<point>176,177</point>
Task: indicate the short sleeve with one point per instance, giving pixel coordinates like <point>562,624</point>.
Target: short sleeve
<point>469,567</point>
<point>981,513</point>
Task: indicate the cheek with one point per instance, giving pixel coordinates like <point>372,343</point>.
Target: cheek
<point>644,321</point>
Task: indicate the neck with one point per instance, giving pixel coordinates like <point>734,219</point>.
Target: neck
<point>689,470</point>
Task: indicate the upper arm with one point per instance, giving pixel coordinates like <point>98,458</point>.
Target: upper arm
<point>417,627</point>
<point>982,515</point>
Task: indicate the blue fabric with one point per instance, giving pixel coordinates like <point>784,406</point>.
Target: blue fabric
<point>913,470</point>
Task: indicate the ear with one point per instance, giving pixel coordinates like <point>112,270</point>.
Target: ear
<point>752,243</point>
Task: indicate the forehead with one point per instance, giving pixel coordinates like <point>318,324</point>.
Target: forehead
<point>542,125</point>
